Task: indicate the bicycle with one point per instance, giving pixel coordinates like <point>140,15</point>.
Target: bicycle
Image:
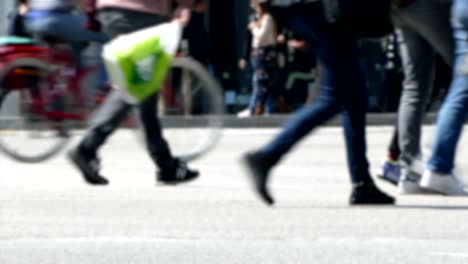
<point>41,101</point>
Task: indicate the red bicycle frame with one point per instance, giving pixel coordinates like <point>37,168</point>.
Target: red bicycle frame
<point>63,78</point>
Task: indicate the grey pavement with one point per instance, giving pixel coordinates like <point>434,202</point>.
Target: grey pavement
<point>274,121</point>
<point>48,215</point>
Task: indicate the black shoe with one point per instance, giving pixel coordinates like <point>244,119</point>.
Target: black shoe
<point>178,173</point>
<point>89,167</point>
<point>368,193</point>
<point>258,167</point>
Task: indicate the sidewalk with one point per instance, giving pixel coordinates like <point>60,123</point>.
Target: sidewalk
<point>232,121</point>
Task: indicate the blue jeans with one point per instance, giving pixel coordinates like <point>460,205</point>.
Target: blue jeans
<point>69,27</point>
<point>343,89</point>
<point>255,98</point>
<point>455,108</point>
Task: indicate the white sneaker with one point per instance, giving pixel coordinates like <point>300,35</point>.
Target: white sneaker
<point>446,184</point>
<point>418,166</point>
<point>409,183</point>
<point>244,113</point>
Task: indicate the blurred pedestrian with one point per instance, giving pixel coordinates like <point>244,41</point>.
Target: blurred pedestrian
<point>265,99</point>
<point>16,18</point>
<point>423,31</point>
<point>343,90</point>
<point>439,175</point>
<point>117,18</point>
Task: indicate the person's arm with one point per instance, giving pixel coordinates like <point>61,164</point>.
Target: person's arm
<point>246,51</point>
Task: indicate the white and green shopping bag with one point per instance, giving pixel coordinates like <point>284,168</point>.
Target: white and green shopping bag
<point>138,62</point>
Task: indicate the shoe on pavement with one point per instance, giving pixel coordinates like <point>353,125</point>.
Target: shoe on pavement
<point>446,184</point>
<point>258,168</point>
<point>390,171</point>
<point>178,173</point>
<point>417,165</point>
<point>88,166</point>
<point>409,183</point>
<point>366,193</point>
<point>244,113</point>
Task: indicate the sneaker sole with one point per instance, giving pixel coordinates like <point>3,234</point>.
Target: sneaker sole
<point>392,182</point>
<point>172,183</point>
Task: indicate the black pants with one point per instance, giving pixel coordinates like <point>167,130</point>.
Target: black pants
<point>115,109</point>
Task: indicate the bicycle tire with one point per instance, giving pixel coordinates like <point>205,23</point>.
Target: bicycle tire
<point>13,148</point>
<point>207,122</point>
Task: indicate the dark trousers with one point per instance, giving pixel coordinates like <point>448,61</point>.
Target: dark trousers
<point>343,90</point>
<point>115,109</point>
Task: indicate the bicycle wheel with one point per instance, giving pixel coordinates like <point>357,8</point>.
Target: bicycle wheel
<point>26,135</point>
<point>191,105</point>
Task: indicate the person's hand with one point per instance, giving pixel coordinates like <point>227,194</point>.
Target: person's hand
<point>281,39</point>
<point>182,15</point>
<point>297,44</point>
<point>252,25</point>
<point>242,64</point>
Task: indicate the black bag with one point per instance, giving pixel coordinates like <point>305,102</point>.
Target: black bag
<point>359,18</point>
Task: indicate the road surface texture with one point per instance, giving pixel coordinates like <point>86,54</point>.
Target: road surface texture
<point>49,215</point>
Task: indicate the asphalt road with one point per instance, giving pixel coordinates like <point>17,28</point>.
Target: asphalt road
<point>49,215</point>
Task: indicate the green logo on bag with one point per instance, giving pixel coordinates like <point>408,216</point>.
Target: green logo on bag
<point>144,66</point>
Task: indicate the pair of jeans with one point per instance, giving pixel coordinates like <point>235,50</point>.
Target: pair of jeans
<point>115,109</point>
<point>342,90</point>
<point>64,25</point>
<point>455,107</point>
<point>423,30</point>
<point>256,96</point>
<point>68,26</point>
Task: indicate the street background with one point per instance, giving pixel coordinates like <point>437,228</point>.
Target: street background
<point>49,215</point>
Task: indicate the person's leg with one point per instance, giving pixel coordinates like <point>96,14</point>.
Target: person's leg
<point>431,20</point>
<point>115,109</point>
<point>450,122</point>
<point>157,146</point>
<point>103,123</point>
<point>254,98</point>
<point>439,176</point>
<point>170,168</point>
<point>353,96</point>
<point>303,121</point>
<point>341,77</point>
<point>390,169</point>
<point>393,149</point>
<point>422,29</point>
<point>418,64</point>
